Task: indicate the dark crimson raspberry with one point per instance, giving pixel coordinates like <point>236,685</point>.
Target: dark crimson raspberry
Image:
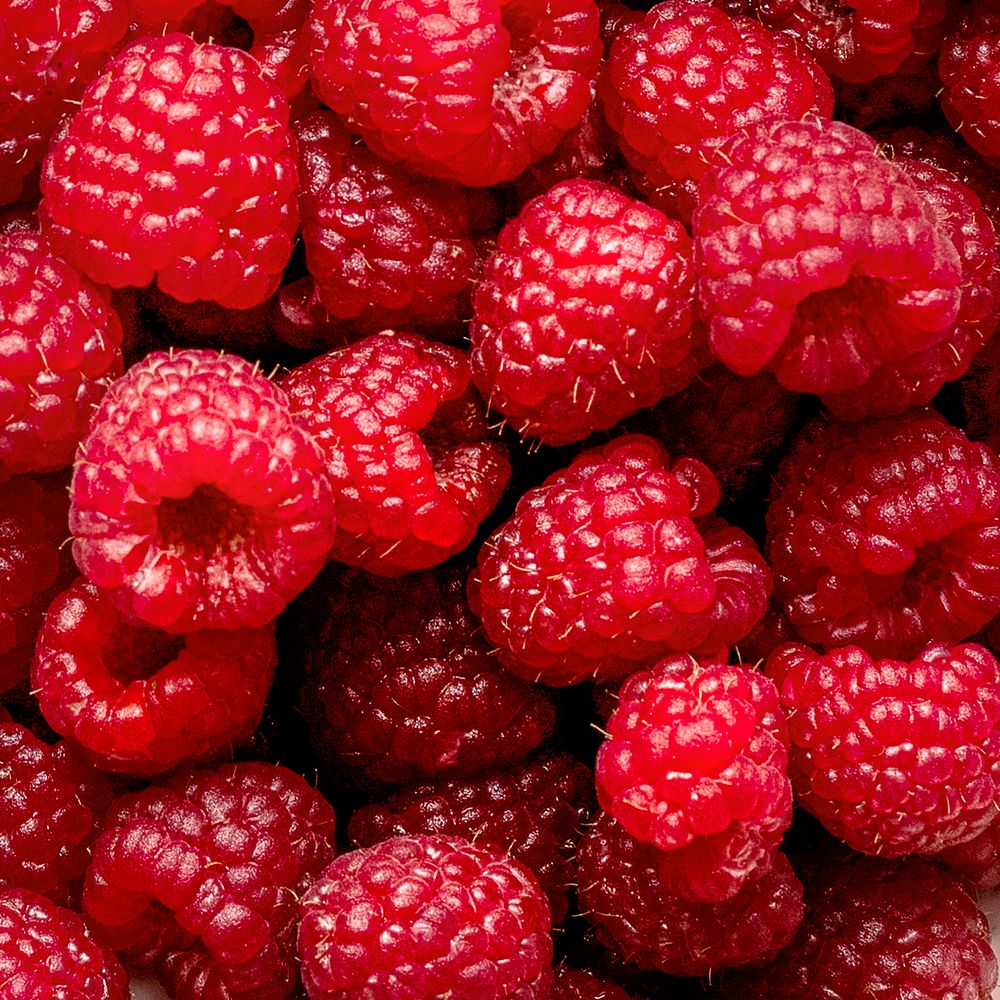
<point>474,92</point>
<point>820,260</point>
<point>873,928</point>
<point>197,498</point>
<point>413,464</point>
<point>425,918</point>
<point>885,534</point>
<point>614,562</point>
<point>301,320</point>
<point>51,800</point>
<point>401,685</point>
<point>531,812</point>
<point>889,98</point>
<point>635,915</point>
<point>879,747</point>
<point>981,395</point>
<point>770,632</point>
<point>46,952</point>
<point>178,165</point>
<point>583,314</point>
<point>576,984</point>
<point>977,860</point>
<point>616,18</point>
<point>200,879</point>
<point>680,83</point>
<point>143,701</point>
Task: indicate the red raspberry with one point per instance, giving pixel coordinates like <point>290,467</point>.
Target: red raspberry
<point>614,562</point>
<point>413,465</point>
<point>636,915</point>
<point>880,746</point>
<point>616,18</point>
<point>46,952</point>
<point>472,92</point>
<point>977,860</point>
<point>142,701</point>
<point>178,165</point>
<point>197,498</point>
<point>819,259</point>
<point>201,878</point>
<point>425,918</point>
<point>301,320</point>
<point>575,984</point>
<point>884,534</point>
<point>689,76</point>
<point>771,631</point>
<point>981,396</point>
<point>531,813</point>
<point>401,687</point>
<point>583,314</point>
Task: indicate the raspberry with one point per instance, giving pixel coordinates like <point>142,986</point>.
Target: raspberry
<point>981,396</point>
<point>197,498</point>
<point>884,534</point>
<point>977,860</point>
<point>614,562</point>
<point>880,746</point>
<point>413,466</point>
<point>142,701</point>
<point>400,687</point>
<point>616,18</point>
<point>178,165</point>
<point>818,259</point>
<point>46,952</point>
<point>575,984</point>
<point>425,918</point>
<point>531,813</point>
<point>474,92</point>
<point>636,915</point>
<point>301,320</point>
<point>200,877</point>
<point>583,314</point>
<point>680,83</point>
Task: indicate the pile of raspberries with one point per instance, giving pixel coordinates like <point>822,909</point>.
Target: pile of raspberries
<point>499,499</point>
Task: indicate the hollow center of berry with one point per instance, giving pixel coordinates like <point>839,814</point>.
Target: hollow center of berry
<point>206,521</point>
<point>135,652</point>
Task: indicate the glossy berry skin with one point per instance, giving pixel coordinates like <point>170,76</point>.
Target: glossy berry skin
<point>197,498</point>
<point>880,746</point>
<point>583,314</point>
<point>425,918</point>
<point>576,984</point>
<point>413,465</point>
<point>977,860</point>
<point>207,207</point>
<point>614,562</point>
<point>883,534</point>
<point>200,879</point>
<point>473,92</point>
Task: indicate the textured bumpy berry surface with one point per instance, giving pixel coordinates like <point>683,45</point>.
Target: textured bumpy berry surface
<point>977,860</point>
<point>635,915</point>
<point>197,497</point>
<point>178,165</point>
<point>613,562</point>
<point>426,918</point>
<point>143,701</point>
<point>879,747</point>
<point>401,686</point>
<point>583,314</point>
<point>885,534</point>
<point>200,878</point>
<point>699,751</point>
<point>575,984</point>
<point>531,812</point>
<point>413,464</point>
<point>819,259</point>
<point>678,85</point>
<point>472,92</point>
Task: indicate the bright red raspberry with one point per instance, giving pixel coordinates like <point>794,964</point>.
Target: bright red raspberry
<point>819,259</point>
<point>981,395</point>
<point>178,165</point>
<point>426,918</point>
<point>413,464</point>
<point>614,562</point>
<point>576,984</point>
<point>977,860</point>
<point>880,746</point>
<point>200,879</point>
<point>47,952</point>
<point>689,76</point>
<point>636,915</point>
<point>531,812</point>
<point>196,496</point>
<point>583,314</point>
<point>884,534</point>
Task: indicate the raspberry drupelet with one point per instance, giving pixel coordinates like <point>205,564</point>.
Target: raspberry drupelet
<point>178,165</point>
<point>425,918</point>
<point>413,464</point>
<point>977,860</point>
<point>196,498</point>
<point>472,92</point>
<point>576,984</point>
